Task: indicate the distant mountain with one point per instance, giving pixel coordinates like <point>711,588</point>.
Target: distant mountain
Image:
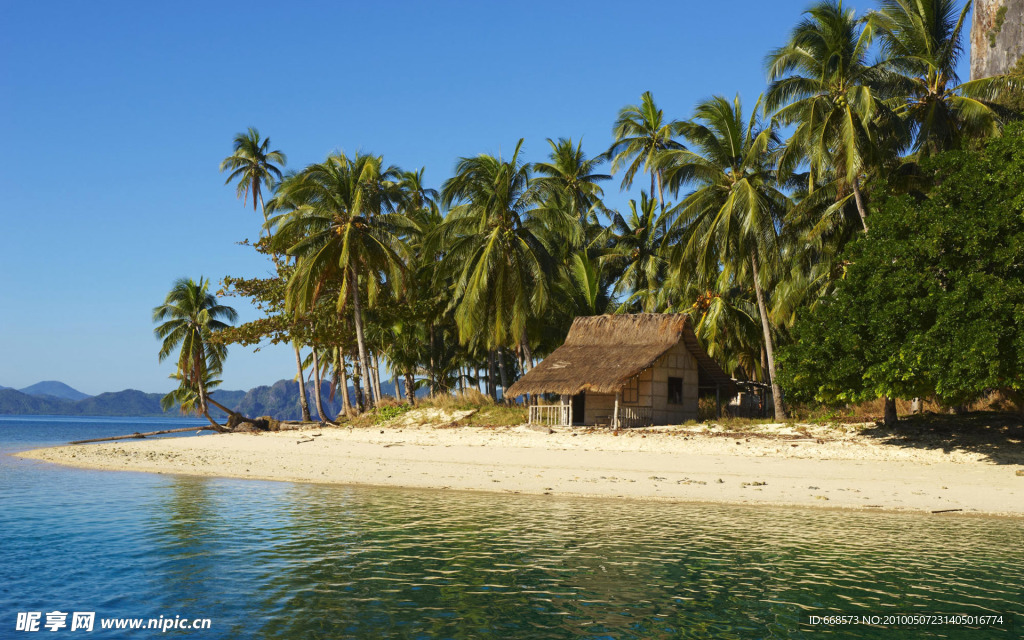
<point>280,400</point>
<point>54,389</point>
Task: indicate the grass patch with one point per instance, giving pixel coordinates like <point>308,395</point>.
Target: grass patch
<point>389,412</point>
<point>468,399</point>
<point>495,415</point>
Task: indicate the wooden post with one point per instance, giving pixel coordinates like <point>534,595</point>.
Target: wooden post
<point>718,401</point>
<point>615,415</point>
<point>565,401</point>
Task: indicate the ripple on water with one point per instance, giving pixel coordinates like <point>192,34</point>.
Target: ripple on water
<point>279,560</point>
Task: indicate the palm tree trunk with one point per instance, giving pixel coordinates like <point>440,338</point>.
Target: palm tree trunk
<point>764,364</point>
<point>394,380</point>
<point>319,383</point>
<point>346,404</point>
<point>376,376</point>
<point>357,384</point>
<point>360,341</point>
<point>504,374</point>
<point>527,356</point>
<point>302,384</point>
<point>661,192</point>
<point>433,364</point>
<point>203,400</point>
<point>410,388</point>
<point>492,388</point>
<point>780,410</point>
<point>860,204</point>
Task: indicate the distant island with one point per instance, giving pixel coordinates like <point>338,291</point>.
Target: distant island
<point>279,400</point>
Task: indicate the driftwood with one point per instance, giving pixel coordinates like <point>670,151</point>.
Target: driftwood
<point>137,435</point>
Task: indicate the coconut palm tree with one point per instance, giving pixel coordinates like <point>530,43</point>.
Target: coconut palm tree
<point>822,83</point>
<point>922,42</point>
<point>729,221</point>
<point>495,254</point>
<point>641,134</point>
<point>253,166</point>
<point>338,219</point>
<point>636,252</point>
<point>571,175</point>
<point>189,317</point>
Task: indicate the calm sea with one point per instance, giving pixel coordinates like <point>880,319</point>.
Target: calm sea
<point>283,560</point>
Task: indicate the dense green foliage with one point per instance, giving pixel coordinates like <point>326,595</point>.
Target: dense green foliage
<point>747,225</point>
<point>932,302</point>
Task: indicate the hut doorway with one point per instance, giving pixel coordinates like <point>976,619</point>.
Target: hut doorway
<point>579,406</point>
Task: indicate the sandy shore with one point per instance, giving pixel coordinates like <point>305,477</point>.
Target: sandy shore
<point>803,468</point>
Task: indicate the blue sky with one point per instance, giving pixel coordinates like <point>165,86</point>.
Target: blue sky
<point>114,117</point>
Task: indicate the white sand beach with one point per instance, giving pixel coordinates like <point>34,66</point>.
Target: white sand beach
<point>782,467</point>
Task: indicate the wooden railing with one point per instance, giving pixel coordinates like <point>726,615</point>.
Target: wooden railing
<point>635,416</point>
<point>551,415</point>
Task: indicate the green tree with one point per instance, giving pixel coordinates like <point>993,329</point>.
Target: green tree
<point>571,175</point>
<point>495,255</point>
<point>730,219</point>
<point>934,303</point>
<point>636,253</point>
<point>189,317</point>
<point>823,85</point>
<point>253,165</point>
<point>338,218</point>
<point>641,134</point>
<point>922,42</point>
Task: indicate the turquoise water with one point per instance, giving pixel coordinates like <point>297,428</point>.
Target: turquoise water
<point>283,560</point>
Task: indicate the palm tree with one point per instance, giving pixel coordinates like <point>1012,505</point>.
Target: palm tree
<point>729,222</point>
<point>339,221</point>
<point>637,252</point>
<point>494,252</point>
<point>189,317</point>
<point>641,133</point>
<point>726,321</point>
<point>571,175</point>
<point>822,83</point>
<point>922,41</point>
<point>253,166</point>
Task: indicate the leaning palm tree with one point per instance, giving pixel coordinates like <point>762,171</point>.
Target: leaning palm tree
<point>338,219</point>
<point>189,318</point>
<point>729,221</point>
<point>253,165</point>
<point>922,42</point>
<point>824,86</point>
<point>641,134</point>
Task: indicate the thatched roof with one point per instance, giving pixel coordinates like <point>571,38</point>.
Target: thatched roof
<point>601,353</point>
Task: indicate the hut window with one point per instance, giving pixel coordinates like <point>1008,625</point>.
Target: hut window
<point>675,391</point>
<point>631,392</point>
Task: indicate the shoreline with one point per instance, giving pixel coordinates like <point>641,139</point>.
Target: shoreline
<point>664,464</point>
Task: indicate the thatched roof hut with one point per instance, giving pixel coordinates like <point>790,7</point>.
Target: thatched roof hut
<point>601,353</point>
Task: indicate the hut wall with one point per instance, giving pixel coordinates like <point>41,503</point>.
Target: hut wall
<point>677,362</point>
<point>652,391</point>
<point>598,407</point>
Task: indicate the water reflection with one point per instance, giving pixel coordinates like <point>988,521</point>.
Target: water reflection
<point>364,563</point>
<point>289,561</point>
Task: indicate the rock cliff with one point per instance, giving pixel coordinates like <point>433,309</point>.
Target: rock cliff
<point>997,36</point>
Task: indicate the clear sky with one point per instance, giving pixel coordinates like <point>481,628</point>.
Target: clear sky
<point>114,117</point>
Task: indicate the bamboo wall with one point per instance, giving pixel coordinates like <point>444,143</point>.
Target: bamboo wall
<point>653,391</point>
